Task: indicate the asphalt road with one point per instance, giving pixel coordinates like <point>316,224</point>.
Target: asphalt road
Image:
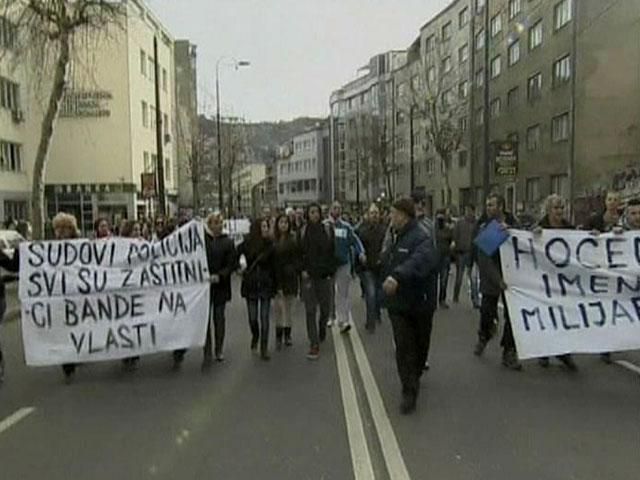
<point>294,419</point>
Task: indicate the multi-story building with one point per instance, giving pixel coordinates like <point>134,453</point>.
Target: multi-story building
<point>189,143</point>
<point>17,125</point>
<point>362,157</point>
<point>244,180</point>
<point>303,169</point>
<point>106,136</point>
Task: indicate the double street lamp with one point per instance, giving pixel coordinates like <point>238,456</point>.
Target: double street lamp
<point>236,64</point>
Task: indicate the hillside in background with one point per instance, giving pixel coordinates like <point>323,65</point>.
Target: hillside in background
<point>265,137</point>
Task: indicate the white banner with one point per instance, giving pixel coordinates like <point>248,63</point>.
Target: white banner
<point>571,292</point>
<point>92,300</point>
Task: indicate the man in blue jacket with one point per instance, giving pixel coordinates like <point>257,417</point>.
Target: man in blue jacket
<point>347,244</point>
<point>407,264</point>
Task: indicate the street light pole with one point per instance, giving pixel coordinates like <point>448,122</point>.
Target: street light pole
<point>236,64</point>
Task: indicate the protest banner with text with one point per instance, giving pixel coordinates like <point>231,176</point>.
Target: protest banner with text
<point>572,292</point>
<point>93,300</point>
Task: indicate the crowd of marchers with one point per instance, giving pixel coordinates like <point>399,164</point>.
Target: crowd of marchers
<point>402,257</point>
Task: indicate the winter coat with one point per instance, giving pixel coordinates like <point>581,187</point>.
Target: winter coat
<point>409,260</point>
<point>318,250</point>
<point>12,265</point>
<point>372,236</point>
<point>221,261</point>
<point>288,259</point>
<point>346,242</point>
<point>489,266</point>
<point>544,223</point>
<point>259,279</point>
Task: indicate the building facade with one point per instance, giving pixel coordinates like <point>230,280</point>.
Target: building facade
<point>244,181</point>
<point>189,143</point>
<point>106,136</point>
<point>302,172</point>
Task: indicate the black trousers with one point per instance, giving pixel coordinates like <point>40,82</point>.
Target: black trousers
<point>411,333</point>
<point>489,313</point>
<point>317,293</point>
<point>216,314</point>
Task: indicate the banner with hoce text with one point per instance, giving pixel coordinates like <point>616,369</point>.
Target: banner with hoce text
<point>94,300</point>
<point>572,292</point>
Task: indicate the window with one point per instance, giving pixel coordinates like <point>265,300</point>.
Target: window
<point>463,90</point>
<point>463,124</point>
<point>446,31</point>
<point>148,168</point>
<point>496,107</point>
<point>9,94</point>
<point>415,82</point>
<point>145,114</point>
<point>10,156</point>
<point>462,159</point>
<point>533,138</point>
<point>152,69</point>
<point>463,17</point>
<point>496,66</point>
<point>513,137</point>
<point>463,53</point>
<point>164,79</point>
<point>165,126</point>
<point>399,118</point>
<point>560,128</point>
<point>514,53</point>
<point>431,75</point>
<point>167,169</point>
<point>480,40</point>
<point>480,77</point>
<point>515,6</point>
<point>562,14</point>
<point>513,96</point>
<point>152,117</point>
<point>562,70</point>
<point>496,25</point>
<point>143,63</point>
<point>15,209</point>
<point>400,89</point>
<point>533,189</point>
<point>430,43</point>
<point>560,185</point>
<point>535,35</point>
<point>480,116</point>
<point>431,163</point>
<point>534,87</point>
<point>447,98</point>
<point>8,33</point>
<point>480,5</point>
<point>446,65</point>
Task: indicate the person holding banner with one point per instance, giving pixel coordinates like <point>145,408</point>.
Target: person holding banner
<point>492,287</point>
<point>606,222</point>
<point>102,229</point>
<point>131,229</point>
<point>287,261</point>
<point>258,282</point>
<point>11,264</point>
<point>65,227</point>
<point>221,262</point>
<point>554,219</point>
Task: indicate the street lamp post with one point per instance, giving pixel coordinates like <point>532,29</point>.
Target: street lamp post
<point>237,64</point>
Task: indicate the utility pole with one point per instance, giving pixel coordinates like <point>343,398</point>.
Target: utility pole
<point>412,174</point>
<point>162,203</point>
<point>487,118</point>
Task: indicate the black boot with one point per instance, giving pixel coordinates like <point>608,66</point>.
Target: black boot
<point>279,335</point>
<point>287,336</point>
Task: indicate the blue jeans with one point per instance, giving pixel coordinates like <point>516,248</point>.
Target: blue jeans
<point>372,296</point>
<point>261,332</point>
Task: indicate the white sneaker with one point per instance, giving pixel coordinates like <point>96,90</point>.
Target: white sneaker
<point>331,323</point>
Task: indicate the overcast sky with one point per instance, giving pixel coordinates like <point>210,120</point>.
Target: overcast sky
<point>300,50</point>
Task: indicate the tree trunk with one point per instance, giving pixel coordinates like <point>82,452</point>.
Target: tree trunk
<point>46,133</point>
<point>445,176</point>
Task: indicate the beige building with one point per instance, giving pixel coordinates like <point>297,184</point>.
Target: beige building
<point>17,147</point>
<point>105,138</point>
<point>244,182</point>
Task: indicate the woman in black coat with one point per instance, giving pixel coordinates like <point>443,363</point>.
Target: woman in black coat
<point>221,262</point>
<point>258,281</point>
<point>287,263</point>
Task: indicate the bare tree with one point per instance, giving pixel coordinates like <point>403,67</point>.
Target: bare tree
<point>433,101</point>
<point>49,33</point>
<point>234,142</point>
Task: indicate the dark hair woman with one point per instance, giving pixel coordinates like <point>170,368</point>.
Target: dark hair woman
<point>102,228</point>
<point>258,281</point>
<point>287,263</point>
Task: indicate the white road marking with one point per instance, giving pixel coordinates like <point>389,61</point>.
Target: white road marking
<point>388,441</point>
<point>360,457</point>
<point>628,366</point>
<point>15,417</point>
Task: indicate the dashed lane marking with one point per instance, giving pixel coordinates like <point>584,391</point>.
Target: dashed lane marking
<point>15,417</point>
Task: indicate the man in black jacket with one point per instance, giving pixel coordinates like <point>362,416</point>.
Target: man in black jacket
<point>11,264</point>
<point>318,266</point>
<point>407,264</point>
<point>221,262</point>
